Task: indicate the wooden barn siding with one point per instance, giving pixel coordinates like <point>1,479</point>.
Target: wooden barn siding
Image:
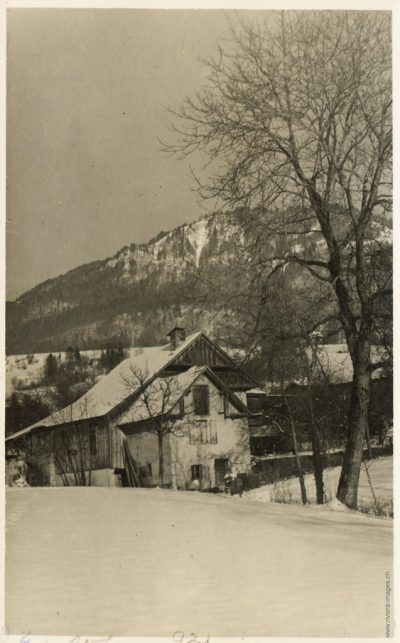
<point>39,449</point>
<point>203,353</point>
<point>98,461</point>
<point>115,438</point>
<point>102,457</point>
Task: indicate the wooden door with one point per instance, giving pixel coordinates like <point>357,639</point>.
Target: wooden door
<point>221,466</point>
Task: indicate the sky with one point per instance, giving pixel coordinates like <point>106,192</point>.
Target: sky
<point>88,93</point>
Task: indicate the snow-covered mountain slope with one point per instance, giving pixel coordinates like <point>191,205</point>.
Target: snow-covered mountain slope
<point>120,296</point>
<point>144,288</point>
<point>136,292</point>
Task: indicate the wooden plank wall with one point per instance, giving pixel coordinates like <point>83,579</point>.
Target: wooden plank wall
<point>77,438</point>
<point>116,438</point>
<point>204,353</point>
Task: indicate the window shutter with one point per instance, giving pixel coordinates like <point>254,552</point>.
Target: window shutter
<point>194,433</point>
<point>213,432</point>
<point>204,432</point>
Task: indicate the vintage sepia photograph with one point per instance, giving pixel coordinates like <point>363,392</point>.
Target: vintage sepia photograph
<point>198,427</point>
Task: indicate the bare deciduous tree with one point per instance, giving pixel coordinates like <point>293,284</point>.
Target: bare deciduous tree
<point>70,443</point>
<point>296,114</point>
<point>155,407</point>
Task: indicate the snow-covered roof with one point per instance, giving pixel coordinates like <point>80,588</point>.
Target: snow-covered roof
<point>112,389</point>
<point>163,394</point>
<point>160,396</point>
<point>335,361</point>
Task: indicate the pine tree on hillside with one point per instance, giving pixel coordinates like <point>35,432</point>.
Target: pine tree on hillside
<point>50,368</point>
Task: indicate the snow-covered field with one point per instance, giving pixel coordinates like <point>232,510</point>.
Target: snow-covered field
<point>28,370</point>
<point>380,471</point>
<point>150,562</point>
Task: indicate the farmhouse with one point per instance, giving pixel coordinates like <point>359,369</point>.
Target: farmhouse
<point>173,414</point>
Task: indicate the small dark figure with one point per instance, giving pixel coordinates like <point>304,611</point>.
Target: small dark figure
<point>239,486</point>
<point>228,479</point>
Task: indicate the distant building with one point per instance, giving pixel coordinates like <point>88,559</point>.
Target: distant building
<point>330,370</point>
<point>107,437</point>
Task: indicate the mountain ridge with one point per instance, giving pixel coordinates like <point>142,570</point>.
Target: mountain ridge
<point>73,307</point>
<point>137,294</point>
<point>154,239</point>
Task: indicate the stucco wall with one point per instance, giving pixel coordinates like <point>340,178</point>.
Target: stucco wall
<point>227,437</point>
<point>232,442</point>
<point>144,449</point>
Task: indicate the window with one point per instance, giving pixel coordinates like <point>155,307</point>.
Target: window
<point>197,471</point>
<point>92,442</point>
<point>201,401</point>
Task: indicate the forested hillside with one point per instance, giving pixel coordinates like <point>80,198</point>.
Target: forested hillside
<point>192,275</point>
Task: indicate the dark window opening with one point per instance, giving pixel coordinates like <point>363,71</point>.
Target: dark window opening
<point>255,404</point>
<point>197,471</point>
<point>201,401</point>
<point>146,470</point>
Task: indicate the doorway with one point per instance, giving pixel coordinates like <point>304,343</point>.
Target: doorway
<point>221,466</point>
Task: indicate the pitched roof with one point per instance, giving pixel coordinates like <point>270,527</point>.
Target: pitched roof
<point>111,390</point>
<point>114,389</point>
<point>162,394</point>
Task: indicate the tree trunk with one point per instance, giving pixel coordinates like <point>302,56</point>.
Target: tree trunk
<point>298,464</point>
<point>160,460</point>
<point>300,474</point>
<point>317,455</point>
<point>318,465</point>
<point>358,430</point>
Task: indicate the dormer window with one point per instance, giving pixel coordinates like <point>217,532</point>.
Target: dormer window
<point>201,400</point>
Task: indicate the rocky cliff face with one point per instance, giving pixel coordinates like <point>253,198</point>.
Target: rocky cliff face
<point>135,296</point>
<point>132,297</point>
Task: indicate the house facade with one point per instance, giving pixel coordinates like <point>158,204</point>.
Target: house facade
<point>208,437</point>
<point>185,400</point>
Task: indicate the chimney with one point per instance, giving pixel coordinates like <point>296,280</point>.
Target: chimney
<point>177,336</point>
